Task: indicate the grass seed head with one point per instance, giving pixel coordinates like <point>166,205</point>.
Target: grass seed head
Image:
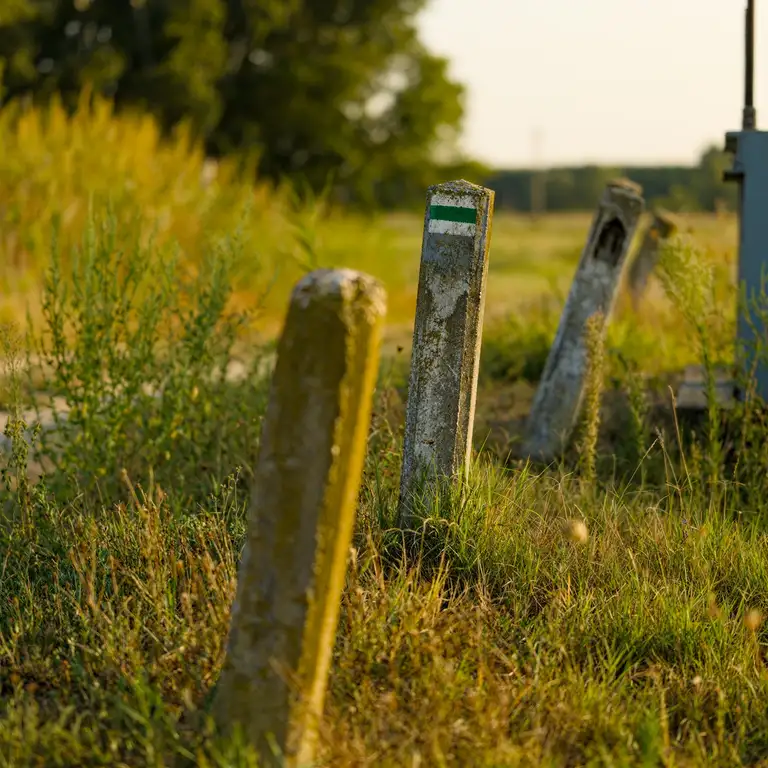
<point>753,619</point>
<point>713,609</point>
<point>576,531</point>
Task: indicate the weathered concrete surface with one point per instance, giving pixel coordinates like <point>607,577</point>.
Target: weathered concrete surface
<point>302,513</point>
<point>594,289</point>
<point>661,228</point>
<point>446,340</point>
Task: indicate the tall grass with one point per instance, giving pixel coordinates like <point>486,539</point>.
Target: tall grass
<point>57,168</point>
<point>56,165</point>
<point>512,637</point>
<point>141,355</point>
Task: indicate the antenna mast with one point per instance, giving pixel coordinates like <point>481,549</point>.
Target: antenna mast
<point>749,115</point>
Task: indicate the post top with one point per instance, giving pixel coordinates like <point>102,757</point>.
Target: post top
<point>626,185</point>
<point>459,187</point>
<point>347,284</point>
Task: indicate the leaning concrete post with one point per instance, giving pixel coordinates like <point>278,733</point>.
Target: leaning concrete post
<point>446,338</point>
<point>661,228</point>
<point>302,513</point>
<point>595,286</point>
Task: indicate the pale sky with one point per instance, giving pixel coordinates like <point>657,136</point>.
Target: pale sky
<point>605,81</point>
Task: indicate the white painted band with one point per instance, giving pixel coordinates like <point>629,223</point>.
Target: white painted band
<point>465,201</point>
<point>438,227</point>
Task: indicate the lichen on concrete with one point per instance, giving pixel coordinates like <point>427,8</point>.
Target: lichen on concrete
<point>446,346</point>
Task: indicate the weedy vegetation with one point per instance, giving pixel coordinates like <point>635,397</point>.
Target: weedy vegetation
<point>605,610</point>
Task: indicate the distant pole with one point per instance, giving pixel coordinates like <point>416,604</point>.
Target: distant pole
<point>301,517</point>
<point>594,289</point>
<point>446,337</point>
<point>749,114</point>
<point>538,175</point>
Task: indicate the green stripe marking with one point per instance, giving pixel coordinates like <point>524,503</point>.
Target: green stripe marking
<point>452,213</point>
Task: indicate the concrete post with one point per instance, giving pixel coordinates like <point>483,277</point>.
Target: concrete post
<point>594,289</point>
<point>447,335</point>
<point>302,514</point>
<point>661,228</point>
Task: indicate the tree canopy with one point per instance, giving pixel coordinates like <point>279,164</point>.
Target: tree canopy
<point>338,91</point>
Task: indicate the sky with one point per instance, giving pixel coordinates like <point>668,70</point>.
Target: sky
<point>603,81</point>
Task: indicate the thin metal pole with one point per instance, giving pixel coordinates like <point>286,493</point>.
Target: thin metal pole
<point>749,121</point>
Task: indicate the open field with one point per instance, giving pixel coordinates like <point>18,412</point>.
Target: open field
<point>530,261</point>
<point>531,267</point>
<point>585,613</point>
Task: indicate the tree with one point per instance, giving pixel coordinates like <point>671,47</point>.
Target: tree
<point>321,90</point>
<point>711,190</point>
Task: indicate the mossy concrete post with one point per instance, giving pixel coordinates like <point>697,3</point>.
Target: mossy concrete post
<point>446,338</point>
<point>661,228</point>
<point>302,512</point>
<point>594,289</point>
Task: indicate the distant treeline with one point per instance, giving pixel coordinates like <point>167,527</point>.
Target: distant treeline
<point>677,188</point>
